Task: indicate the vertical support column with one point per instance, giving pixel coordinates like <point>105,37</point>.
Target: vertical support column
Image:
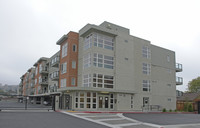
<point>41,100</point>
<point>34,100</point>
<point>56,103</point>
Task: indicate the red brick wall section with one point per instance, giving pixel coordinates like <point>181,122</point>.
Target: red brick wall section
<point>71,56</point>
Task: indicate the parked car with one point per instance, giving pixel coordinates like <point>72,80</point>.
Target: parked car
<point>46,103</point>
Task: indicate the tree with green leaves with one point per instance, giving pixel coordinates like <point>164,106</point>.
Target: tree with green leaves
<point>194,85</point>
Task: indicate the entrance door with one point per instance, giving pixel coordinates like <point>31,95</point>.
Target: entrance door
<point>145,103</point>
<point>103,102</point>
<point>67,101</point>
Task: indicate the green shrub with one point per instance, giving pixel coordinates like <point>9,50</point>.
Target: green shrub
<point>175,110</point>
<point>190,108</point>
<point>185,107</point>
<point>164,110</point>
<point>170,110</point>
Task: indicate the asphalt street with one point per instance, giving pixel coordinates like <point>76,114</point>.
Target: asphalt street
<point>43,120</point>
<point>165,119</point>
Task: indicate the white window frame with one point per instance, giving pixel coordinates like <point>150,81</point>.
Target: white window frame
<point>146,85</point>
<point>146,52</point>
<point>87,60</point>
<point>73,81</point>
<point>64,68</point>
<point>87,80</point>
<point>63,83</point>
<point>146,68</point>
<point>73,64</point>
<point>64,49</point>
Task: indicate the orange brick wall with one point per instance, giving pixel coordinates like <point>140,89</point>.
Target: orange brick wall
<point>71,56</point>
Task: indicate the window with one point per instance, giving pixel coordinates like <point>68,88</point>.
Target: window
<point>100,60</point>
<point>87,80</point>
<point>103,41</point>
<point>146,68</point>
<point>88,42</point>
<point>73,81</point>
<point>36,70</point>
<point>63,83</point>
<point>146,52</point>
<point>146,85</point>
<point>82,99</point>
<point>168,58</point>
<point>111,101</point>
<point>169,85</point>
<point>40,79</point>
<point>87,60</point>
<point>64,50</point>
<point>74,48</point>
<point>169,99</point>
<point>131,101</point>
<point>64,68</point>
<point>35,81</point>
<point>102,81</point>
<point>40,68</point>
<point>74,64</point>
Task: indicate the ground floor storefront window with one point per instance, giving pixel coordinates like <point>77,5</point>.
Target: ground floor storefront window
<point>93,100</point>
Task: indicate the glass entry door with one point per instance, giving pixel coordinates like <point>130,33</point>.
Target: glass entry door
<point>103,102</point>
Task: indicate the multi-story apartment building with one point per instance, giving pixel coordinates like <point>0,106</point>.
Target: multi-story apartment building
<point>105,68</point>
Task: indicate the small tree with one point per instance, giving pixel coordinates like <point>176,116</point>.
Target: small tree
<point>190,108</point>
<point>194,85</point>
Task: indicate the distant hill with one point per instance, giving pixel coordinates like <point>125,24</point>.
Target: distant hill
<point>9,88</point>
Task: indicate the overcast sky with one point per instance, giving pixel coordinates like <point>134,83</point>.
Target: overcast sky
<point>29,29</point>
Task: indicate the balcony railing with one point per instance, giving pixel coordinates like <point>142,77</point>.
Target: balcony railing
<point>179,67</point>
<point>44,70</point>
<point>179,80</point>
<point>32,76</point>
<point>55,76</point>
<point>43,82</point>
<point>55,62</point>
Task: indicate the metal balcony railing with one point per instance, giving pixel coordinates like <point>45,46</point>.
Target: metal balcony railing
<point>55,75</point>
<point>179,67</point>
<point>179,80</point>
<point>43,82</point>
<point>55,62</point>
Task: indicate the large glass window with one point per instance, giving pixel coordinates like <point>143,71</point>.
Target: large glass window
<point>87,80</point>
<point>64,50</point>
<point>100,60</point>
<point>146,85</point>
<point>87,60</point>
<point>146,52</point>
<point>103,41</point>
<point>102,81</point>
<point>88,42</point>
<point>146,68</point>
<point>63,83</point>
<point>40,68</point>
<point>64,67</point>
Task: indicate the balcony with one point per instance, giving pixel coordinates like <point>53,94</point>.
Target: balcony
<point>32,76</point>
<point>179,80</point>
<point>43,82</point>
<point>55,76</point>
<point>55,62</point>
<point>179,67</point>
<point>44,70</point>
